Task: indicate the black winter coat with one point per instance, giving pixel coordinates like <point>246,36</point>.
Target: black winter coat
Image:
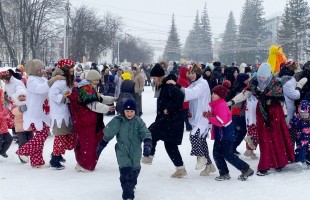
<point>169,127</point>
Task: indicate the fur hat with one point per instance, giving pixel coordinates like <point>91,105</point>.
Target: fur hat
<point>221,90</point>
<point>19,92</point>
<point>93,75</point>
<point>157,71</point>
<point>264,70</point>
<point>195,69</point>
<point>130,104</point>
<point>33,66</point>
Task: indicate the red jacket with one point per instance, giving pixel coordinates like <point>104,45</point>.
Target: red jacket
<point>184,82</point>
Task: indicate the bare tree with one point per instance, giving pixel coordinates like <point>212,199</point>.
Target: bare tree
<point>91,35</point>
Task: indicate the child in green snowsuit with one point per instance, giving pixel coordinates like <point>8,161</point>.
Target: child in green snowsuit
<point>130,131</point>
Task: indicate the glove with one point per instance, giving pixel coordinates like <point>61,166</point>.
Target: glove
<point>207,114</point>
<point>229,103</point>
<point>22,108</point>
<point>301,83</point>
<point>147,147</point>
<point>189,115</point>
<point>100,147</point>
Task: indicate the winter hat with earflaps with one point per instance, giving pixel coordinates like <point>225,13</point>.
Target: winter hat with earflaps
<point>93,75</point>
<point>264,70</point>
<point>33,66</point>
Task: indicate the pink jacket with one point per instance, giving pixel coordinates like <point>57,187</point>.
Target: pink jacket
<point>4,114</point>
<point>221,113</point>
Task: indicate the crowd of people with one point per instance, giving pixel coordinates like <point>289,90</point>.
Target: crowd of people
<point>229,103</point>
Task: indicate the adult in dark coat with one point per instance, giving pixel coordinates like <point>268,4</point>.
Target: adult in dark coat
<point>169,122</point>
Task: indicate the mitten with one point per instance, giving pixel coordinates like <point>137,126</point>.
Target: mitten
<point>207,114</point>
<point>301,83</point>
<point>100,147</point>
<point>22,108</point>
<point>147,147</point>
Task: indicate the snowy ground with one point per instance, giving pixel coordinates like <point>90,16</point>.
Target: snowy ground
<point>20,181</point>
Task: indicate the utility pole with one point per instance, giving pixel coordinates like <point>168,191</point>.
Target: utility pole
<point>66,30</point>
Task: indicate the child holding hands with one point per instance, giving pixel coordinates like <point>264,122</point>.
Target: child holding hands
<point>19,99</point>
<point>223,134</point>
<point>130,131</point>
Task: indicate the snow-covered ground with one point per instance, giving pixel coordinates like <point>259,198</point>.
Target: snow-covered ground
<point>20,181</point>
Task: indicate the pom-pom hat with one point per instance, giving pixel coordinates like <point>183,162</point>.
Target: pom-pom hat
<point>222,90</point>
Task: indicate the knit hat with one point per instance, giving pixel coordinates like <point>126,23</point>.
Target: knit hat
<point>130,104</point>
<point>216,64</point>
<point>33,66</point>
<point>5,75</point>
<point>195,69</point>
<point>264,70</point>
<point>304,106</point>
<point>87,67</point>
<point>126,76</point>
<point>221,90</point>
<point>242,77</point>
<point>157,71</point>
<point>93,75</point>
<point>111,78</point>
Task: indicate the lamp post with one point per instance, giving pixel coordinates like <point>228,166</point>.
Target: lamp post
<point>118,53</point>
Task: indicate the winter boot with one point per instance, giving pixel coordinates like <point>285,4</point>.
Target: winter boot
<point>222,177</point>
<point>249,141</point>
<point>250,154</point>
<point>180,173</point>
<point>79,168</point>
<point>308,164</point>
<point>262,173</point>
<point>23,159</point>
<point>55,163</point>
<point>62,159</point>
<point>245,174</point>
<point>4,155</point>
<point>147,160</point>
<point>201,162</point>
<point>208,169</point>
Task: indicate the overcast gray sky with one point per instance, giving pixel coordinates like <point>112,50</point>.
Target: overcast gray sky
<point>151,20</point>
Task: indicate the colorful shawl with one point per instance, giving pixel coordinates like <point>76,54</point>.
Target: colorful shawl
<point>271,94</point>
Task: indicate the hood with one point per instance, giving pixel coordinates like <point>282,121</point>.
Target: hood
<point>83,83</point>
<point>182,72</point>
<point>285,79</point>
<point>15,97</point>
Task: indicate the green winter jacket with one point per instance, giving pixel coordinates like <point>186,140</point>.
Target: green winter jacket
<point>129,136</point>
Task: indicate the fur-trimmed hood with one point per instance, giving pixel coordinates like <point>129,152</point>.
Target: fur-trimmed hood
<point>15,97</point>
